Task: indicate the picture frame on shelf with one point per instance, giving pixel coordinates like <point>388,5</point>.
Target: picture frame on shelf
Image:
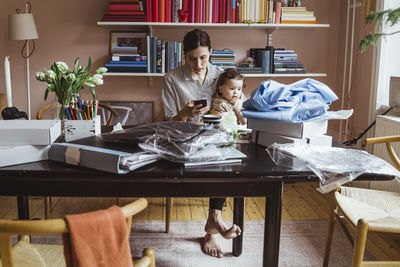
<point>128,39</point>
<point>130,113</point>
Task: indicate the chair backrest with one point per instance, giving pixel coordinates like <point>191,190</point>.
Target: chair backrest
<point>50,226</point>
<point>388,140</point>
<point>112,111</point>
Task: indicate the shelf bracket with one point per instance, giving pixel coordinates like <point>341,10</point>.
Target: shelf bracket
<point>150,81</point>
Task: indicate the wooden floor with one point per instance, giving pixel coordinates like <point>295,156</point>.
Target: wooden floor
<point>300,202</point>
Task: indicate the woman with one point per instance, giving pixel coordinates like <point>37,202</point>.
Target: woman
<point>196,80</point>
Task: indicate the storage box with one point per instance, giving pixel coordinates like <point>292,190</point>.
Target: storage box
<point>297,130</point>
<point>12,155</point>
<point>266,139</point>
<point>29,132</point>
<point>78,129</point>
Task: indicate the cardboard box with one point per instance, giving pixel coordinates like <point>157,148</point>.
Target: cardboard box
<point>78,129</point>
<point>12,155</point>
<point>297,130</point>
<point>266,139</point>
<point>29,132</point>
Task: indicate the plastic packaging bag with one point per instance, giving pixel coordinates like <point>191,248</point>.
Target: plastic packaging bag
<point>202,146</point>
<point>334,166</point>
<point>175,131</point>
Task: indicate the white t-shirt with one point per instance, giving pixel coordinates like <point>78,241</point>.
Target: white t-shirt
<point>180,87</point>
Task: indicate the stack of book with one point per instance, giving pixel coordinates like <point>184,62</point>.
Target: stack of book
<point>244,69</point>
<point>127,59</point>
<point>125,10</point>
<point>285,62</point>
<point>163,56</point>
<point>266,132</point>
<point>263,58</point>
<point>297,15</point>
<point>223,58</point>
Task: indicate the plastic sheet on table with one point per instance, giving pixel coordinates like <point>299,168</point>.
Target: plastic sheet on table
<point>334,166</point>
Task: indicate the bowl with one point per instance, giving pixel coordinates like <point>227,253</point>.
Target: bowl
<point>209,118</point>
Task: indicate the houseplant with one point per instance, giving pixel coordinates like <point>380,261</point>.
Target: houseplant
<point>389,16</point>
<point>67,84</point>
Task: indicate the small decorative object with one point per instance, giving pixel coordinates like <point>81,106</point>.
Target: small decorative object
<point>285,3</point>
<point>12,113</point>
<point>183,15</point>
<point>67,84</point>
<point>297,2</point>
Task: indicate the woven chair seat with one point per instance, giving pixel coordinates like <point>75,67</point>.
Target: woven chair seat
<point>380,209</point>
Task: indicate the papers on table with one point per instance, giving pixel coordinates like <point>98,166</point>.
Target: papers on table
<point>137,160</point>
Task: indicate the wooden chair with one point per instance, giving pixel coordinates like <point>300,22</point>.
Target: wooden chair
<point>39,116</point>
<point>27,254</point>
<point>365,210</point>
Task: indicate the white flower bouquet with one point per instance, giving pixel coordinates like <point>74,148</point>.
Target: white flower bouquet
<point>67,83</point>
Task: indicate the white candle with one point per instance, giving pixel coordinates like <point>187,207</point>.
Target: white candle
<point>8,81</point>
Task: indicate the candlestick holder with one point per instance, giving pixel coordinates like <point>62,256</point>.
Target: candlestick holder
<point>12,113</point>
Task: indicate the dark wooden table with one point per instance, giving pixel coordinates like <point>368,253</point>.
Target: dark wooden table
<point>257,176</point>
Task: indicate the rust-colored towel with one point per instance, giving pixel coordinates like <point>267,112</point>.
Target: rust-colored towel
<point>97,238</point>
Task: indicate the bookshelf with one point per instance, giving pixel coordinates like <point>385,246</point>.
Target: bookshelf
<point>248,75</point>
<point>268,27</point>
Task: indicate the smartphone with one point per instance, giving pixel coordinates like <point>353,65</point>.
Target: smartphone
<point>203,103</point>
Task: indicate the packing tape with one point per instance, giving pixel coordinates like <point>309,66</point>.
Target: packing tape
<point>72,155</point>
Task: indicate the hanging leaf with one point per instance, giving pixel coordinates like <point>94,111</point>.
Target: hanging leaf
<point>370,39</point>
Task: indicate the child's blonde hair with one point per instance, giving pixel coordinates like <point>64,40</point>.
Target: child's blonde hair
<point>228,74</point>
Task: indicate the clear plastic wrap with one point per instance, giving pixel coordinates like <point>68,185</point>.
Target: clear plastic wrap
<point>206,145</point>
<point>334,166</point>
<point>175,131</point>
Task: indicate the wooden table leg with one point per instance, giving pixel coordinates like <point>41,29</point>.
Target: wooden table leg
<point>272,230</point>
<point>238,219</point>
<point>23,207</point>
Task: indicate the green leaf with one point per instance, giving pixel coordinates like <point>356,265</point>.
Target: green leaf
<point>76,65</point>
<point>46,93</point>
<point>93,92</point>
<point>89,65</point>
<point>370,39</point>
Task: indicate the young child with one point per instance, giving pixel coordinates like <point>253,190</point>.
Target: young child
<point>229,96</point>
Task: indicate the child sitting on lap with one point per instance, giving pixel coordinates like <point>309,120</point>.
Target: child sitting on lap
<point>229,97</point>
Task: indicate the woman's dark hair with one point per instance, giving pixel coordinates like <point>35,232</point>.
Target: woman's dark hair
<point>228,74</point>
<point>194,39</point>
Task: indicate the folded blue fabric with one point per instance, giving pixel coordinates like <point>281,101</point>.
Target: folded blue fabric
<point>297,102</point>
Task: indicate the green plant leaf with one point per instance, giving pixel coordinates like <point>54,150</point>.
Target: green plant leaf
<point>46,93</point>
<point>370,39</point>
<point>89,65</point>
<point>393,16</point>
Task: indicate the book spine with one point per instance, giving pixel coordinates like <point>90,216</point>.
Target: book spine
<point>167,11</point>
<point>155,10</point>
<point>278,12</point>
<point>148,54</point>
<point>124,7</point>
<point>197,11</point>
<point>154,54</point>
<point>161,11</point>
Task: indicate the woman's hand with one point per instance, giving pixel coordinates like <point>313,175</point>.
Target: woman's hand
<point>191,111</point>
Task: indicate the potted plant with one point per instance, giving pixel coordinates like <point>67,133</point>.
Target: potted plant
<point>389,16</point>
<point>67,84</point>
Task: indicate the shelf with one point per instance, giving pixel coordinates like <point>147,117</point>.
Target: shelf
<point>119,74</point>
<point>212,25</point>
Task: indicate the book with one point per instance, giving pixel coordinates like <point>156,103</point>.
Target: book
<point>264,57</point>
<point>128,58</point>
<point>97,158</point>
<point>124,7</point>
<point>142,68</point>
<point>289,70</point>
<point>161,11</point>
<point>127,62</point>
<point>298,22</point>
<point>233,156</point>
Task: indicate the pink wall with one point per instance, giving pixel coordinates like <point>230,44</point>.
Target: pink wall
<point>67,29</point>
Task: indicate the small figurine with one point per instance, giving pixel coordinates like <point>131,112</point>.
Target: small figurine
<point>12,113</point>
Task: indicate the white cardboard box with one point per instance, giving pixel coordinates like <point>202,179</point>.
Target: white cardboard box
<point>12,155</point>
<point>297,130</point>
<point>78,129</point>
<point>266,139</point>
<point>29,132</point>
